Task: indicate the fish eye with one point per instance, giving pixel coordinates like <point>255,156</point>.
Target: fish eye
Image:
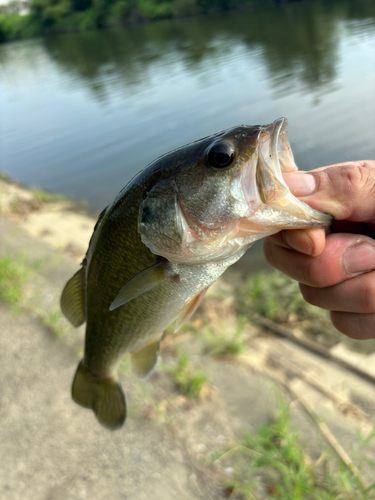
<point>220,155</point>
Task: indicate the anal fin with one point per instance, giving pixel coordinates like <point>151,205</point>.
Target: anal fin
<point>189,310</point>
<point>104,397</point>
<point>72,299</point>
<point>144,360</point>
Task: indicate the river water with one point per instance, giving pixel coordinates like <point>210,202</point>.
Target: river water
<point>82,113</point>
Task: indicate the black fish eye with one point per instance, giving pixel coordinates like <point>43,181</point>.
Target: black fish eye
<point>220,155</point>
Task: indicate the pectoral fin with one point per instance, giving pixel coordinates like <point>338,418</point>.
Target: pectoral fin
<point>189,310</point>
<point>141,283</point>
<point>144,360</point>
<point>72,299</point>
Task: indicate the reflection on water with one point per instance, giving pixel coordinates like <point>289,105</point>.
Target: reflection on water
<point>82,113</point>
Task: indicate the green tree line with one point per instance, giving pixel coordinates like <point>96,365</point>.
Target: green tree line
<point>51,16</point>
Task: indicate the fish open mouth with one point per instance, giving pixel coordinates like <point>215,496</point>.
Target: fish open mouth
<point>275,149</point>
<point>280,147</point>
<point>275,157</point>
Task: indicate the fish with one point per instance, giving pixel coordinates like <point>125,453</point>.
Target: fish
<point>168,235</point>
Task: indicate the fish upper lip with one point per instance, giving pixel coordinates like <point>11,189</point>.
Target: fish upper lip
<point>279,125</point>
<point>269,149</point>
<point>265,163</point>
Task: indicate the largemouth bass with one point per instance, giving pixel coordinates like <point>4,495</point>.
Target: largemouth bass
<point>169,234</point>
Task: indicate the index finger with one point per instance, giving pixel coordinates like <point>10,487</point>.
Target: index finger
<point>360,163</point>
<point>346,191</point>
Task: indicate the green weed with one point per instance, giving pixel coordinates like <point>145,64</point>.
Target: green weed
<point>188,381</point>
<point>44,196</point>
<point>276,297</point>
<point>273,464</point>
<point>221,343</point>
<point>52,320</point>
<point>142,403</point>
<point>13,275</point>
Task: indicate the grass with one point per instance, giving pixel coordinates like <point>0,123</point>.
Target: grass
<point>276,297</point>
<point>13,275</point>
<point>188,381</point>
<point>142,403</point>
<point>273,464</point>
<point>43,196</point>
<point>52,320</point>
<point>221,343</point>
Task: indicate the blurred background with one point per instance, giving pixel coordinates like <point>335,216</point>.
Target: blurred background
<point>91,91</point>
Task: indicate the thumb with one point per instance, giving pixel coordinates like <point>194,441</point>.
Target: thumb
<point>346,191</point>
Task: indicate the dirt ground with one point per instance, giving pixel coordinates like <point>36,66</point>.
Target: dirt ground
<point>50,448</point>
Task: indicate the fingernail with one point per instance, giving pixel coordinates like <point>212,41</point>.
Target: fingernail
<point>359,259</point>
<point>300,184</point>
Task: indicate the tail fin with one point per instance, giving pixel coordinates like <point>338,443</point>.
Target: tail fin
<point>104,396</point>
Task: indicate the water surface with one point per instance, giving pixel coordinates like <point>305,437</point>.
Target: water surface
<point>82,113</point>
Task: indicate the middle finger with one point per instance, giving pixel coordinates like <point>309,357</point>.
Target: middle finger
<point>344,256</point>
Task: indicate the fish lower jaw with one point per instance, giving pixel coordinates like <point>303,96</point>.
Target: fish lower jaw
<point>292,215</point>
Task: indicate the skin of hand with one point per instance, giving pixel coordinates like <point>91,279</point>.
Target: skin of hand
<point>335,267</point>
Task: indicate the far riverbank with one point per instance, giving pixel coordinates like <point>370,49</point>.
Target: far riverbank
<point>26,19</point>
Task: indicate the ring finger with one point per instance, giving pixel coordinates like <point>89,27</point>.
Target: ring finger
<point>355,295</point>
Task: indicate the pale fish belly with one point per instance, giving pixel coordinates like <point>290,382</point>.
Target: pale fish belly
<point>159,308</point>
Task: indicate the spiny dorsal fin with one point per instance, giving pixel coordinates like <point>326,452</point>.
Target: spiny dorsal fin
<point>104,397</point>
<point>141,283</point>
<point>72,299</point>
<point>189,310</point>
<point>144,360</point>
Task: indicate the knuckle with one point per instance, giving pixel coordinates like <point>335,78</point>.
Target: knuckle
<point>313,276</point>
<point>351,177</point>
<point>354,177</point>
<point>351,180</point>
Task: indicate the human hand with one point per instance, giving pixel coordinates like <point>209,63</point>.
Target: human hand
<point>336,267</point>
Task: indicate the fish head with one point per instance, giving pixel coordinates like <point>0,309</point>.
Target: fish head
<point>223,193</point>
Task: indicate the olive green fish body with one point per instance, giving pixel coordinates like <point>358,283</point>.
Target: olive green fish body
<point>116,253</point>
<point>169,234</point>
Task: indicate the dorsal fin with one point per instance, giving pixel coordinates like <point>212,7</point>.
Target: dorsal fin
<point>72,299</point>
<point>144,360</point>
<point>141,283</point>
<point>189,310</point>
